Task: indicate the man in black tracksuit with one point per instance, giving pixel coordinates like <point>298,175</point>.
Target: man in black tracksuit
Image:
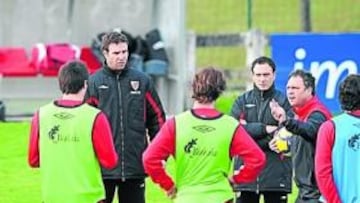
<point>128,98</point>
<point>253,111</point>
<point>309,113</point>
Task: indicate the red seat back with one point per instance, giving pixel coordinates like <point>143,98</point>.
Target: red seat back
<point>50,57</point>
<point>15,62</point>
<point>89,59</point>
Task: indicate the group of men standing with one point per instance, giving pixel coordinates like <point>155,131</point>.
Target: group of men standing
<point>264,110</point>
<point>322,149</point>
<point>132,110</point>
<point>70,139</point>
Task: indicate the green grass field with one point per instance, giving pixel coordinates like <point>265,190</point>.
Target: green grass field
<point>21,184</point>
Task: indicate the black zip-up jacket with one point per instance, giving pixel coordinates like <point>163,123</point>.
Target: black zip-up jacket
<point>133,107</point>
<point>303,143</point>
<point>253,106</point>
<point>303,153</point>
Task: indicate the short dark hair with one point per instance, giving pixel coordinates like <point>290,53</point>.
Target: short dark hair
<point>349,93</point>
<point>308,79</point>
<point>263,60</point>
<point>113,37</point>
<point>72,76</point>
<point>208,84</point>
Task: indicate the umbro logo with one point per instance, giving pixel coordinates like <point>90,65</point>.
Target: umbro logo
<point>250,105</point>
<point>103,87</point>
<point>63,115</point>
<point>203,128</point>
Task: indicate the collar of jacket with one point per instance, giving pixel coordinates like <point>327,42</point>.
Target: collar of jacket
<point>312,105</point>
<point>264,94</point>
<point>111,72</point>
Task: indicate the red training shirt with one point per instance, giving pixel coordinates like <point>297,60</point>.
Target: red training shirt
<point>323,160</point>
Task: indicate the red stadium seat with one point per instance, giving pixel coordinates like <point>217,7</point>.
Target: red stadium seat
<point>48,58</point>
<point>89,59</point>
<point>15,62</point>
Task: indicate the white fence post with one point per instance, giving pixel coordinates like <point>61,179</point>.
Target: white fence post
<point>171,23</point>
<point>255,42</point>
<point>191,66</point>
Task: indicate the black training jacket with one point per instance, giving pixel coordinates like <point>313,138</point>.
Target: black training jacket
<point>133,107</point>
<point>253,106</point>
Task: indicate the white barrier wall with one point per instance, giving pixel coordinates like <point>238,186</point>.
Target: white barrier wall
<point>25,23</point>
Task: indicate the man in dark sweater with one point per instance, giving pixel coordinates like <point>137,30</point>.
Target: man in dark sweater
<point>253,111</point>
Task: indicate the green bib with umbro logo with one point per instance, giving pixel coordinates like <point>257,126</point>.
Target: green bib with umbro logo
<point>202,157</point>
<point>69,168</point>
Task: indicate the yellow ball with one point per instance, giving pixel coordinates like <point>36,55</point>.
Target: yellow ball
<point>283,136</point>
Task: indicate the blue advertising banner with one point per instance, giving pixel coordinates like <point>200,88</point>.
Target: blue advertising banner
<point>329,57</point>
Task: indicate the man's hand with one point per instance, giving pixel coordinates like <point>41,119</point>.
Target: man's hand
<point>242,122</point>
<point>280,142</point>
<point>236,172</point>
<point>271,128</point>
<point>172,192</point>
<point>273,146</point>
<point>277,111</point>
<point>231,180</point>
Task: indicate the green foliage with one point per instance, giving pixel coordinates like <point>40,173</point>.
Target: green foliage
<point>230,16</point>
<point>212,16</point>
<point>225,102</point>
<point>223,57</point>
